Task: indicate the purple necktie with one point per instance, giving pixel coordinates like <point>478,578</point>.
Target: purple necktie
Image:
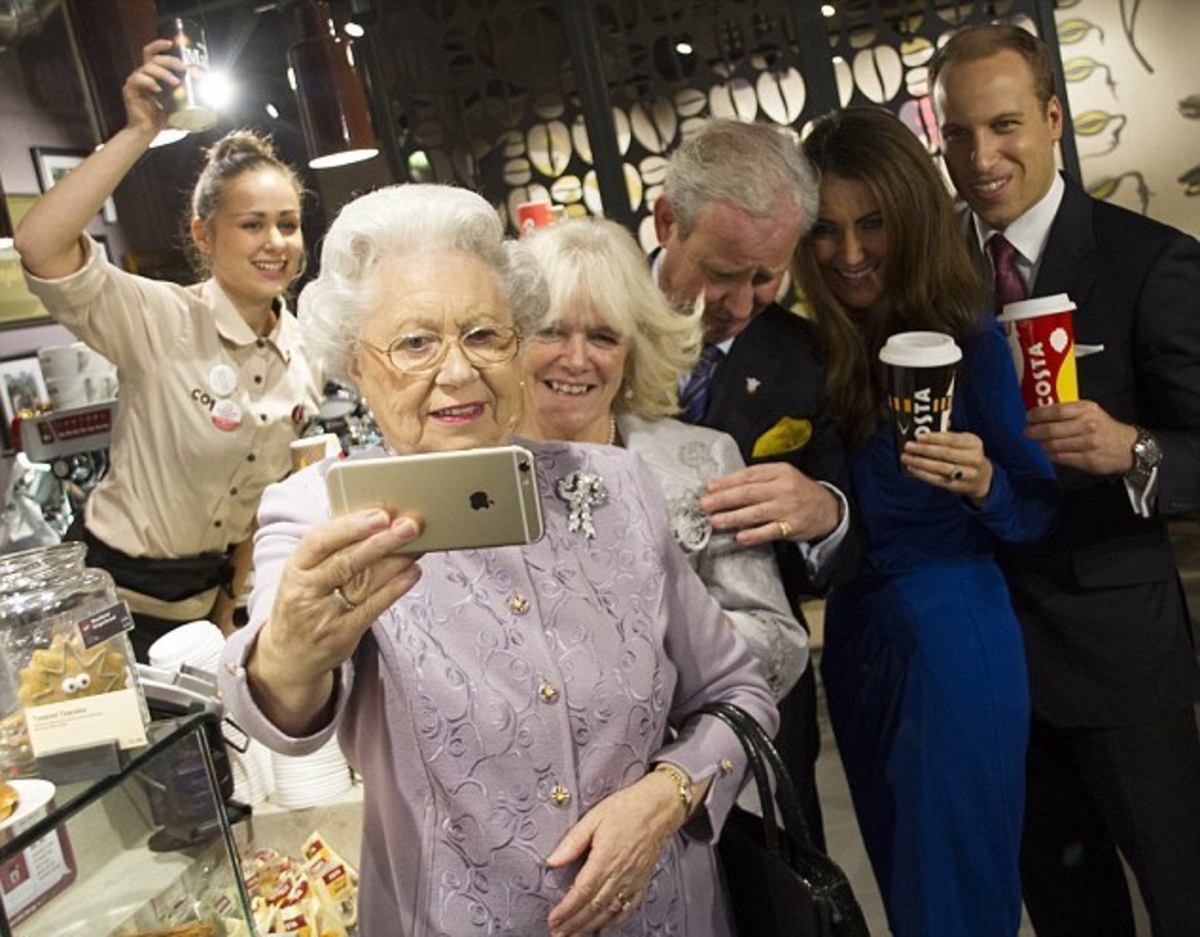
<point>693,399</point>
<point>1009,287</point>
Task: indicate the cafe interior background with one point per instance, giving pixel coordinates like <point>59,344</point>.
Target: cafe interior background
<point>535,100</point>
<point>573,102</point>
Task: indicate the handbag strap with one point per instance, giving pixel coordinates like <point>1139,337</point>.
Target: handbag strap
<point>784,803</point>
<point>758,767</point>
<point>822,875</point>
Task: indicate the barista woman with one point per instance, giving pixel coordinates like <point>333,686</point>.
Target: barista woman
<point>214,381</point>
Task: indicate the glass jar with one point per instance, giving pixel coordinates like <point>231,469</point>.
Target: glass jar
<point>45,656</point>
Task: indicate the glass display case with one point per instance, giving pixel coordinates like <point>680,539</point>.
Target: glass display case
<point>147,850</point>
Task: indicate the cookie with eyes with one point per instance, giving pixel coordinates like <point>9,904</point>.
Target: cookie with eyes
<point>66,670</point>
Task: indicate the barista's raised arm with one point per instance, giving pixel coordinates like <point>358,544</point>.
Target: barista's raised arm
<point>48,238</point>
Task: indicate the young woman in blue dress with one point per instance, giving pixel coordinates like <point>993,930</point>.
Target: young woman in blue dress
<point>923,661</point>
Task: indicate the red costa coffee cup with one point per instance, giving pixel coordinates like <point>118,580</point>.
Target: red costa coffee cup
<point>1041,336</point>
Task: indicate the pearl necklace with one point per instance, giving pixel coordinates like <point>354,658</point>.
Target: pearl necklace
<point>612,431</point>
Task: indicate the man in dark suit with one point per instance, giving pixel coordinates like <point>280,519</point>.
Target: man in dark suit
<point>1114,758</point>
<point>736,199</point>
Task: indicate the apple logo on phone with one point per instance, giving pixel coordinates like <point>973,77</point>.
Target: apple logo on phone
<point>480,501</point>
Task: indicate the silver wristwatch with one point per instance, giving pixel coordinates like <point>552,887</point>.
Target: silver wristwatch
<point>1147,455</point>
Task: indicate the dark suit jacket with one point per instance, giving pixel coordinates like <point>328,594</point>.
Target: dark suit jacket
<point>771,373</point>
<point>1106,625</point>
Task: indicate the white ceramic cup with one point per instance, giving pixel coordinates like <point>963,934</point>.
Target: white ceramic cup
<point>61,362</point>
<point>67,393</point>
<point>198,644</point>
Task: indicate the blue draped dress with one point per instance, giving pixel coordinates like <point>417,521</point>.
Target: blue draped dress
<point>924,667</point>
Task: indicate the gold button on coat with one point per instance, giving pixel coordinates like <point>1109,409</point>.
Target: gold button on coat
<point>560,795</point>
<point>518,605</point>
<point>547,692</point>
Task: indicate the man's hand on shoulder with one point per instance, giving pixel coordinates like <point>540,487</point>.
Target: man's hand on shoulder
<point>771,501</point>
<point>1081,435</point>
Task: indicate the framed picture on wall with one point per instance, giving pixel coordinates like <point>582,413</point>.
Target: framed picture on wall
<point>52,163</point>
<point>22,387</point>
<point>18,306</point>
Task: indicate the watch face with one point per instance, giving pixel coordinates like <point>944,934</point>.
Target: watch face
<point>1147,450</point>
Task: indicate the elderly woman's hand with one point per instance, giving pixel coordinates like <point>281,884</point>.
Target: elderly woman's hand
<point>342,576</point>
<point>622,837</point>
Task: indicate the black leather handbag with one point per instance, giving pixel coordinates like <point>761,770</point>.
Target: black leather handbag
<point>779,884</point>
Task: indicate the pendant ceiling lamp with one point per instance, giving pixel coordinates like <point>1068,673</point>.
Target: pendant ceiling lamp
<point>333,105</point>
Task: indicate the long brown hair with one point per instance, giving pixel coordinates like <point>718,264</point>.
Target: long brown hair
<point>931,282</point>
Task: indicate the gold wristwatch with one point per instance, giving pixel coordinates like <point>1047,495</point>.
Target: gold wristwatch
<point>686,794</point>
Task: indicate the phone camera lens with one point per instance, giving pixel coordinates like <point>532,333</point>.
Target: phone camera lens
<point>523,466</point>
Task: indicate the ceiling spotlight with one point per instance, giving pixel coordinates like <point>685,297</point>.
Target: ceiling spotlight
<point>218,89</point>
<point>272,111</point>
<point>354,30</point>
<point>683,47</point>
<point>828,10</point>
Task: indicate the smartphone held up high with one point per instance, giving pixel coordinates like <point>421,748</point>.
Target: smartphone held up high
<point>467,499</point>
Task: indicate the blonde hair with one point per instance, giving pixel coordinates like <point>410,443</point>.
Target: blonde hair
<point>597,262</point>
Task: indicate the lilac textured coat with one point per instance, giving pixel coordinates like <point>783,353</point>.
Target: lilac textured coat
<point>510,691</point>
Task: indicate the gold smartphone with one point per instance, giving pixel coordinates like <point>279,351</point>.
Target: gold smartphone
<point>467,499</point>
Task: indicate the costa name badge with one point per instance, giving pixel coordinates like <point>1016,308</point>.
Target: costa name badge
<point>226,415</point>
<point>222,380</point>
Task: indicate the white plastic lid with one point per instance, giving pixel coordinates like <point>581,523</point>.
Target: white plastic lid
<point>1036,306</point>
<point>197,643</point>
<point>920,350</point>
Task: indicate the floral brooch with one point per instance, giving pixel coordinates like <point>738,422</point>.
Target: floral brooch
<point>582,491</point>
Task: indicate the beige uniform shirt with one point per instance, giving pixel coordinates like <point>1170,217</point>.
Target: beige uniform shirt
<point>206,407</point>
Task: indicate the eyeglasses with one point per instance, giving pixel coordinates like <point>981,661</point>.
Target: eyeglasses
<point>484,346</point>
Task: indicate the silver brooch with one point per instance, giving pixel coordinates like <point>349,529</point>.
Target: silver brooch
<point>690,526</point>
<point>582,491</point>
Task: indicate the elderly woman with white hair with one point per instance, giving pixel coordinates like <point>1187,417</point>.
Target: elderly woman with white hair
<point>604,365</point>
<point>520,715</point>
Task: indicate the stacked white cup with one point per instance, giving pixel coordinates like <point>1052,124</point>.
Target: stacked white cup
<point>253,773</point>
<point>77,376</point>
<point>309,780</point>
<point>197,644</point>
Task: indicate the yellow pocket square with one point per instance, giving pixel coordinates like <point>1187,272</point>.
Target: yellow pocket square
<point>787,435</point>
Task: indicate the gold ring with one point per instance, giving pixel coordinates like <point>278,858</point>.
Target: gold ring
<point>342,600</point>
<point>785,530</point>
<point>624,901</point>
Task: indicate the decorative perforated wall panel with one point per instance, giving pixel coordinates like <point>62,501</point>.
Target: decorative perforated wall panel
<point>577,103</point>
